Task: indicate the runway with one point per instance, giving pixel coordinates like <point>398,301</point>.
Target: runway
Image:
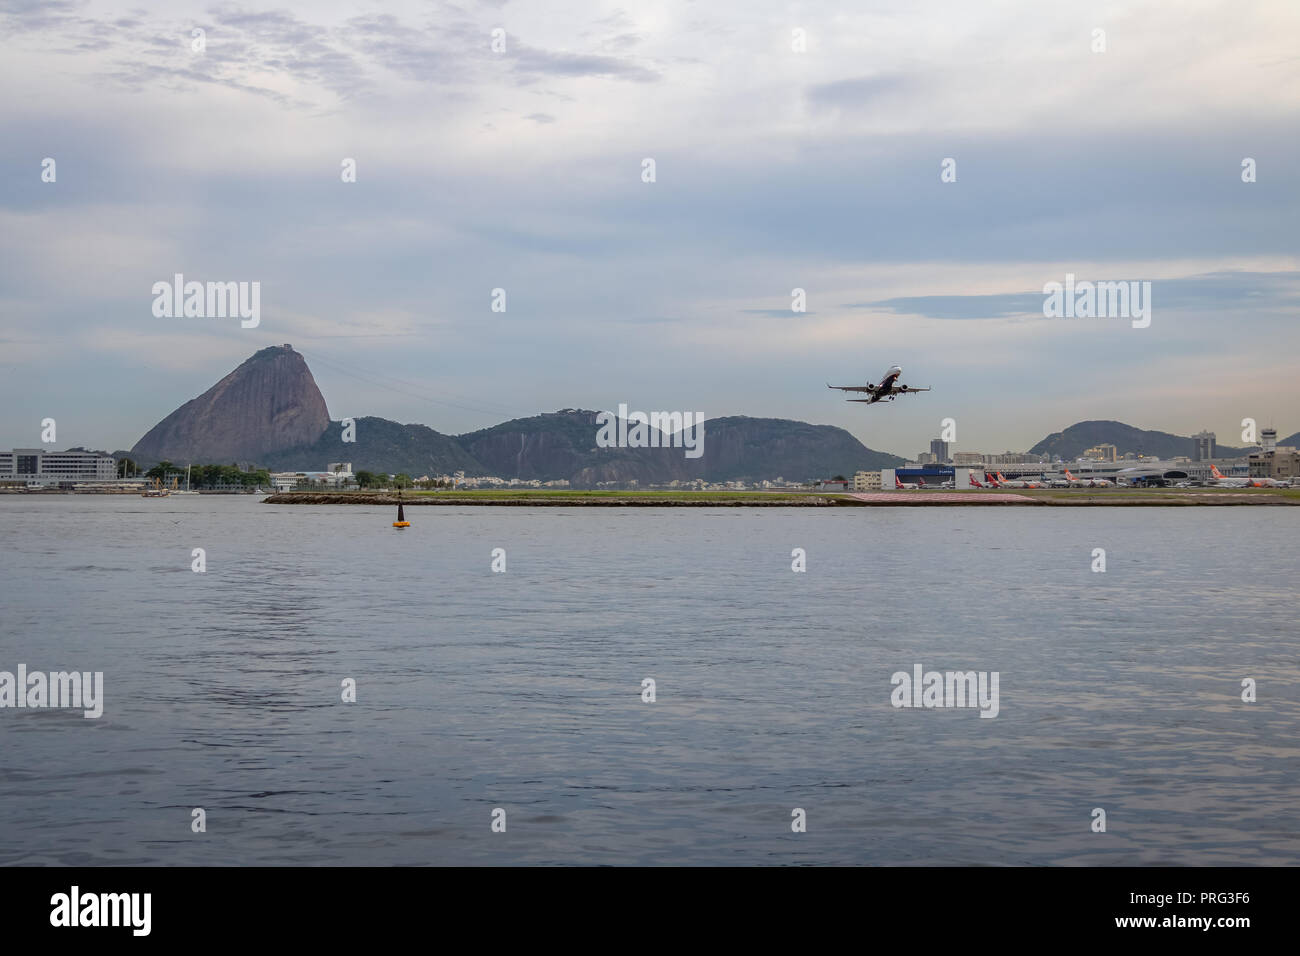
<point>923,498</point>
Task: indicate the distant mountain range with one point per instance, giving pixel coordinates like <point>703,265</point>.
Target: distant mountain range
<point>269,411</point>
<point>1078,438</point>
<point>562,445</point>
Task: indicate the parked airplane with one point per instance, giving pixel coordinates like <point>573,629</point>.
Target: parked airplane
<point>1221,481</point>
<point>1088,482</point>
<point>1023,483</point>
<point>975,482</point>
<point>885,391</point>
<point>900,486</point>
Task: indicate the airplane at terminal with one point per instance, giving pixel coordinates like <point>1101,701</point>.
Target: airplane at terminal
<point>1221,481</point>
<point>1023,483</point>
<point>1088,482</point>
<point>900,486</point>
<point>886,390</point>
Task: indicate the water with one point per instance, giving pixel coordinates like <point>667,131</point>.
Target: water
<point>522,690</point>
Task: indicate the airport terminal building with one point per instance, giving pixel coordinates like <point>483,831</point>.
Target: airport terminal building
<point>1147,471</point>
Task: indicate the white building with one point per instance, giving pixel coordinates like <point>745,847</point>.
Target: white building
<point>285,480</point>
<point>37,467</point>
<point>288,480</point>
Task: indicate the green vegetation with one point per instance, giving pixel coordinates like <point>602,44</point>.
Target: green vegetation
<point>502,494</point>
<point>573,495</point>
<point>207,476</point>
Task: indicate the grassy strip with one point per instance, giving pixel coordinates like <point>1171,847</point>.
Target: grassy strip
<point>659,498</point>
<point>561,497</point>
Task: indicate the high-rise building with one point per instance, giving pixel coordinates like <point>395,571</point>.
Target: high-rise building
<point>939,448</point>
<point>1204,450</point>
<point>1102,453</point>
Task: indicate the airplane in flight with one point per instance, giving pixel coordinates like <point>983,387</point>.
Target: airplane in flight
<point>1221,481</point>
<point>883,392</point>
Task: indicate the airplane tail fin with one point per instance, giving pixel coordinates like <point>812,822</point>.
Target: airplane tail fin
<point>920,482</point>
<point>897,483</point>
<point>1068,475</point>
<point>1215,471</point>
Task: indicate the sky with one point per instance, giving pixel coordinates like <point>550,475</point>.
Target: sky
<point>783,160</point>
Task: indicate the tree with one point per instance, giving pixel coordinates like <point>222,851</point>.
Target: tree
<point>126,467</point>
<point>402,480</point>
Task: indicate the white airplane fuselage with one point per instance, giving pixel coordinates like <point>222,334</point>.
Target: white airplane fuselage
<point>886,384</point>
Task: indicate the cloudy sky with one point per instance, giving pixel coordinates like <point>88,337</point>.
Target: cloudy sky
<point>775,169</point>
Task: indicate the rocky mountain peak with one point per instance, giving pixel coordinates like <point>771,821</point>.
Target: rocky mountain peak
<point>269,402</point>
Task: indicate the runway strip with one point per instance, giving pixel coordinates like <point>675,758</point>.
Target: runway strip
<point>942,498</point>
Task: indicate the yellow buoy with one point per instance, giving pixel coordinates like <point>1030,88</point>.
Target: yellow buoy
<point>401,521</point>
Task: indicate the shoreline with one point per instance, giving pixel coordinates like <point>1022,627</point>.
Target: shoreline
<point>761,499</point>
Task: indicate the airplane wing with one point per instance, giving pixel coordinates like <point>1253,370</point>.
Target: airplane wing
<point>853,388</point>
<point>904,389</point>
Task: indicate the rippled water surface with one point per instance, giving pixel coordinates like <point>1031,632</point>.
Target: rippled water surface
<point>522,690</point>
